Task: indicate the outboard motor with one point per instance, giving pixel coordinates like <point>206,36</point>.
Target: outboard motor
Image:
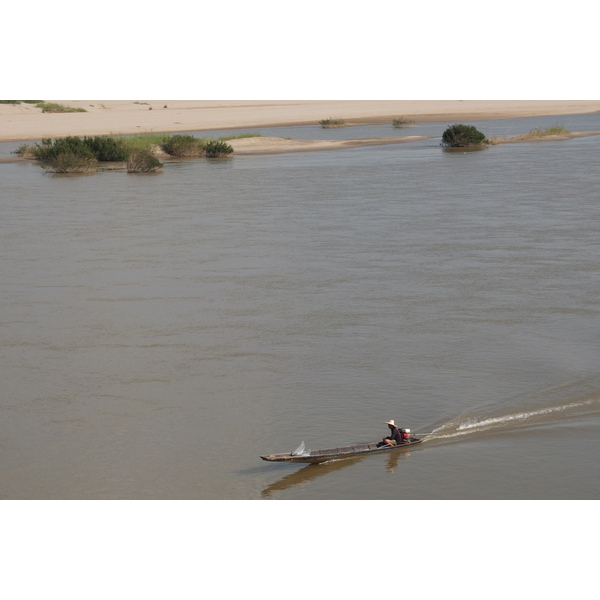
<point>405,435</point>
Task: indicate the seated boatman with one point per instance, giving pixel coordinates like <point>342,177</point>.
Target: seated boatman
<point>395,436</point>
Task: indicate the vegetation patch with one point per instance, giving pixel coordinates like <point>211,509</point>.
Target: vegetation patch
<point>145,142</point>
<point>107,149</point>
<point>143,162</point>
<point>20,101</point>
<point>239,136</point>
<point>183,146</point>
<point>463,136</point>
<point>400,122</point>
<point>70,162</point>
<point>50,107</point>
<point>81,155</point>
<point>46,107</point>
<point>217,149</point>
<point>25,151</point>
<point>534,134</point>
<point>49,149</point>
<point>555,130</point>
<point>537,133</point>
<point>332,122</point>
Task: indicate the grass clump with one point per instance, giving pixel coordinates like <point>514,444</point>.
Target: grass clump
<point>143,143</point>
<point>539,133</point>
<point>400,122</point>
<point>183,145</point>
<point>239,136</point>
<point>534,134</point>
<point>50,107</point>
<point>217,149</point>
<point>143,162</point>
<point>463,136</point>
<point>332,122</point>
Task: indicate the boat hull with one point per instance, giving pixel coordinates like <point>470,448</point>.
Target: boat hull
<point>319,456</point>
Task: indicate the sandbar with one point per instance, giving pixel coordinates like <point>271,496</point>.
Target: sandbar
<point>277,145</point>
<point>25,122</point>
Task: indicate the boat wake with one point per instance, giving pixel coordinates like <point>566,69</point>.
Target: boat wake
<point>559,404</point>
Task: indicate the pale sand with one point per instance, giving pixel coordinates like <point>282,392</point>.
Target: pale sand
<point>118,117</point>
<point>25,122</point>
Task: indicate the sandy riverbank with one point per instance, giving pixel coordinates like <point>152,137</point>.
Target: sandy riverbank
<point>25,122</point>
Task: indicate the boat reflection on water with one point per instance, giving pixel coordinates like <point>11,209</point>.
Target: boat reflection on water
<point>308,473</point>
<point>312,471</point>
<point>392,459</point>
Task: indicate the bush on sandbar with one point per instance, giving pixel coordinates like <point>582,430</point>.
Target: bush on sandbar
<point>462,136</point>
<point>333,122</point>
<point>107,149</point>
<point>217,149</point>
<point>49,149</point>
<point>101,148</point>
<point>400,122</point>
<point>143,162</point>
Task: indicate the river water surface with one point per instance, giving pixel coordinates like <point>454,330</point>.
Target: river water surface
<point>160,332</point>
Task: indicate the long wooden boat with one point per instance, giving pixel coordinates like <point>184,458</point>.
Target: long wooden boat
<point>319,456</point>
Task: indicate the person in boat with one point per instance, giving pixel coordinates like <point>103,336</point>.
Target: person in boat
<point>395,436</point>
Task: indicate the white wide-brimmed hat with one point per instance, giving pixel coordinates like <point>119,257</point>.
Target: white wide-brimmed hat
<point>390,422</point>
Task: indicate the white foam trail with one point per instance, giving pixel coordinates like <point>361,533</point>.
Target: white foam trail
<point>473,426</point>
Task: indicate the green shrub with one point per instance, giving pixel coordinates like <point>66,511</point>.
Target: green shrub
<point>461,136</point>
<point>334,122</point>
<point>42,151</point>
<point>106,148</point>
<point>216,149</point>
<point>183,145</point>
<point>69,162</point>
<point>143,162</point>
<point>101,148</point>
<point>49,150</point>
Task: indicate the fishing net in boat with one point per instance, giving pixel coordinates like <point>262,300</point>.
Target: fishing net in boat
<point>300,451</point>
